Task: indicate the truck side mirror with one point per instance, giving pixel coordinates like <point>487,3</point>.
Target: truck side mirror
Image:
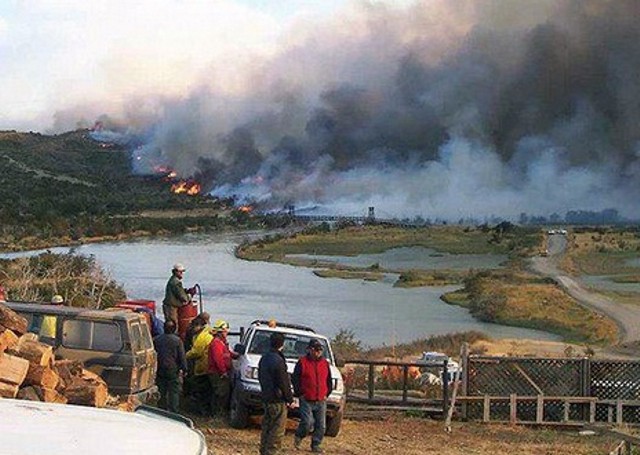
<point>239,349</point>
<point>340,362</point>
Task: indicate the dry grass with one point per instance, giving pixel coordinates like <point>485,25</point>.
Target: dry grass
<point>528,301</point>
<point>376,239</point>
<point>397,434</point>
<point>349,274</point>
<point>417,278</point>
<point>602,252</point>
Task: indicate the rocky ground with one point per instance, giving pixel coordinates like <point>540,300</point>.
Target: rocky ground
<point>399,434</point>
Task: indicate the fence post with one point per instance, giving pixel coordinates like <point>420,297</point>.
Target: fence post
<point>445,388</point>
<point>371,380</point>
<point>585,384</point>
<point>513,409</point>
<point>405,381</point>
<point>464,363</point>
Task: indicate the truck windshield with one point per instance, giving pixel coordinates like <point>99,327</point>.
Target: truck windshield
<point>295,346</point>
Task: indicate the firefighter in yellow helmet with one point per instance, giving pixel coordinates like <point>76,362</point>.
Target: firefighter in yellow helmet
<point>220,368</point>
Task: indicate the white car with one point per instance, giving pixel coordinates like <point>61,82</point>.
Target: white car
<point>246,398</point>
<point>30,427</point>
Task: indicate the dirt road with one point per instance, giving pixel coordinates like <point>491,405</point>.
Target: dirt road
<point>626,316</point>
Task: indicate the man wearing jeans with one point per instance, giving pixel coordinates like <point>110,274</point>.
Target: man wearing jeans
<point>312,383</point>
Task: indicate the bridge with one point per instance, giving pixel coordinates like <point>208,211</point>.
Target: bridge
<point>369,218</point>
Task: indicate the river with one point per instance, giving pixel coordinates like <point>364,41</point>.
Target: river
<point>241,291</point>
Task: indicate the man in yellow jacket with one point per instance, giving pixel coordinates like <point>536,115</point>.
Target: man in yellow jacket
<point>199,353</point>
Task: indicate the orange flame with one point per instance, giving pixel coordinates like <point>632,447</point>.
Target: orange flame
<point>188,187</point>
<point>245,208</point>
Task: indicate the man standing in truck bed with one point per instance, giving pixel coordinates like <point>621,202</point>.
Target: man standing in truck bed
<point>175,295</point>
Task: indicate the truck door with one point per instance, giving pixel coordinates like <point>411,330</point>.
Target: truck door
<point>100,346</point>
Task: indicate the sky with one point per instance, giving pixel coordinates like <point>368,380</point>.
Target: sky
<point>446,109</point>
<point>56,53</point>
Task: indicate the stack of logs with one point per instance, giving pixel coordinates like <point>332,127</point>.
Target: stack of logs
<point>29,371</point>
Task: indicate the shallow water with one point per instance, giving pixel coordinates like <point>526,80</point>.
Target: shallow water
<point>241,291</point>
<point>414,258</point>
<point>606,283</point>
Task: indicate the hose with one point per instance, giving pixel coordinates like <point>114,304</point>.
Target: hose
<point>199,290</point>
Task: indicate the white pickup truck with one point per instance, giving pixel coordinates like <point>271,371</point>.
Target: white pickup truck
<point>29,427</point>
<point>246,397</point>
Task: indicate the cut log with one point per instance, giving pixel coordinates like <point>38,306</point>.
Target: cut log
<point>12,320</point>
<point>68,369</point>
<point>61,386</point>
<point>33,351</point>
<point>87,392</point>
<point>13,370</point>
<point>51,396</point>
<point>8,339</point>
<point>29,393</point>
<point>28,337</point>
<point>8,390</point>
<point>41,376</point>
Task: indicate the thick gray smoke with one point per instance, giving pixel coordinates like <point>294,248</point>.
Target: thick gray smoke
<point>444,109</point>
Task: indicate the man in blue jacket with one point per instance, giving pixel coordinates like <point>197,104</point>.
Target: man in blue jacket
<point>275,386</point>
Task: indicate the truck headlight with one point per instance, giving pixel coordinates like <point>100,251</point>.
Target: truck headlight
<point>251,373</point>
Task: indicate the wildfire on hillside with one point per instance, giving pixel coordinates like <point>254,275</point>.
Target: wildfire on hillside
<point>245,208</point>
<point>189,187</point>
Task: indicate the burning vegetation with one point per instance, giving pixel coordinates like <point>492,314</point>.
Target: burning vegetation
<point>188,187</point>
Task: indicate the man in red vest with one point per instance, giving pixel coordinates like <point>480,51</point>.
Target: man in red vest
<point>312,384</point>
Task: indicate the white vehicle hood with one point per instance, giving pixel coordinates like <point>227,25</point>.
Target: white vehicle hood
<point>32,427</point>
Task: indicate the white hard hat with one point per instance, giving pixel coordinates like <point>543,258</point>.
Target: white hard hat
<point>179,267</point>
<point>57,299</point>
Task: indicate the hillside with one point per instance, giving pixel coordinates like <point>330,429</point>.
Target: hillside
<point>66,188</point>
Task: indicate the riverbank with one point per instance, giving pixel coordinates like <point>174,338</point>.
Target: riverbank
<point>507,297</point>
<point>525,300</point>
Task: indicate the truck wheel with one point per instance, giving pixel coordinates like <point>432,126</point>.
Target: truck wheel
<point>238,411</point>
<point>333,424</point>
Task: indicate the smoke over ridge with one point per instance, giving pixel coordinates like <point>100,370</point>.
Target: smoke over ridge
<point>440,109</point>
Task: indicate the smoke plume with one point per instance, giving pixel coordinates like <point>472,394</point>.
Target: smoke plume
<point>443,108</point>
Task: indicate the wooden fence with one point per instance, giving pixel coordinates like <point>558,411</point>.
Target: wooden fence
<point>550,390</point>
<point>420,386</point>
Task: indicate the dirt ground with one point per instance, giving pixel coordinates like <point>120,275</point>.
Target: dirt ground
<point>398,434</point>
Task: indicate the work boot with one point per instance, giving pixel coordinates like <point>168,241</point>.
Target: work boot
<point>317,449</point>
<point>296,442</point>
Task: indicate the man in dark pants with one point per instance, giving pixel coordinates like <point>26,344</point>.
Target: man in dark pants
<point>312,383</point>
<point>175,295</point>
<point>220,369</point>
<point>276,395</point>
<point>171,363</point>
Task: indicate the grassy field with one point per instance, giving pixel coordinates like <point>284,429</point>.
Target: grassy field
<point>417,278</point>
<point>353,241</point>
<point>524,300</point>
<point>604,251</point>
<point>349,274</point>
